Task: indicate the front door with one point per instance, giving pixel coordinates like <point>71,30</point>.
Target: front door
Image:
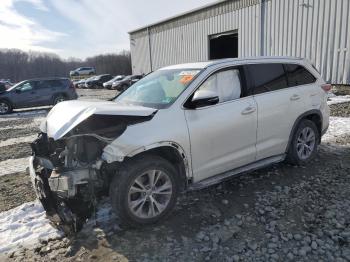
<point>25,95</point>
<point>222,136</point>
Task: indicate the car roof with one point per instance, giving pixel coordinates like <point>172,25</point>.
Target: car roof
<point>257,59</point>
<point>47,78</point>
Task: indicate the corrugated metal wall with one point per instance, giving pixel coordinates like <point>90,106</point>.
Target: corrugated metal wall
<point>315,29</point>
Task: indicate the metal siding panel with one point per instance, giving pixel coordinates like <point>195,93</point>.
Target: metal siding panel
<point>316,29</point>
<point>346,77</point>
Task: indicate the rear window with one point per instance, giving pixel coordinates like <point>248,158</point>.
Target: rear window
<point>267,77</point>
<point>297,75</point>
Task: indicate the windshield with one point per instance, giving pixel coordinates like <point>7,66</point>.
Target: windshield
<point>14,87</point>
<point>159,89</point>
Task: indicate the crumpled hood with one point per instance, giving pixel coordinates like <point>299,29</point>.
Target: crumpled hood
<point>66,115</point>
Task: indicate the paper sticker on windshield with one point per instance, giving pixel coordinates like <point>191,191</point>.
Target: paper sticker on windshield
<point>186,79</point>
<point>189,73</point>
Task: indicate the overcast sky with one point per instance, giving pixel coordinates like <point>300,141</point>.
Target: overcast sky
<point>81,28</point>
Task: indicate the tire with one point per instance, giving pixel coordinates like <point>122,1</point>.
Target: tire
<point>141,169</point>
<point>5,107</point>
<point>57,99</point>
<point>304,143</point>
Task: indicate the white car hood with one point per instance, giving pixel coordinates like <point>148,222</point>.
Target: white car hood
<point>66,115</point>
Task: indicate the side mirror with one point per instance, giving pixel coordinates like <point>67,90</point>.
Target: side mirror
<point>203,98</point>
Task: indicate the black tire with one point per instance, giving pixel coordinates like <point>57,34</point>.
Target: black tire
<point>5,107</point>
<point>57,99</point>
<point>121,184</point>
<point>292,155</point>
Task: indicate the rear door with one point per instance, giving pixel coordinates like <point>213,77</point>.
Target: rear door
<point>223,136</point>
<point>305,82</point>
<point>278,107</point>
<point>46,90</point>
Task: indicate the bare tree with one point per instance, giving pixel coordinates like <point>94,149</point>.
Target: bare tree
<point>18,65</point>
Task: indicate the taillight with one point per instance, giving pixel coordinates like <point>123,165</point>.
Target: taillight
<point>327,87</point>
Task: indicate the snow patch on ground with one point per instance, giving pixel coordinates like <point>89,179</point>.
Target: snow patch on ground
<point>338,126</point>
<point>12,166</point>
<point>25,226</point>
<point>17,140</point>
<point>338,99</point>
<point>33,113</point>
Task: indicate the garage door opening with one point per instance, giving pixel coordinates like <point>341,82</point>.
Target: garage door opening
<point>224,45</point>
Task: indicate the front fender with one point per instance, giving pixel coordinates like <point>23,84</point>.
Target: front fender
<point>117,154</point>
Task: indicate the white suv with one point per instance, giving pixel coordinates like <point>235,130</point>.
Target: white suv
<point>182,127</point>
<point>83,71</point>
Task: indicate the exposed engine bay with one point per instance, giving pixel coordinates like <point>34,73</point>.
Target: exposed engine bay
<point>69,174</point>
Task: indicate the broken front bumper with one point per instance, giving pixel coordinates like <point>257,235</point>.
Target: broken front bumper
<point>57,209</point>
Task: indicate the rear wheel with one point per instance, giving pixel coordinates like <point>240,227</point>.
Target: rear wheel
<point>145,190</point>
<point>58,99</point>
<point>304,143</point>
<point>5,107</point>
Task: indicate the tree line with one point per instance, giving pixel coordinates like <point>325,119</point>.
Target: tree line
<point>18,65</point>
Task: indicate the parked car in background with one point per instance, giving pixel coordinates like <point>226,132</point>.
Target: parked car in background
<point>109,83</point>
<point>182,127</point>
<point>83,71</point>
<point>81,83</point>
<point>76,82</point>
<point>125,83</point>
<point>37,92</point>
<point>97,81</point>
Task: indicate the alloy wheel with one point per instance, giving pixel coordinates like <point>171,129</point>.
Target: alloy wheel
<point>4,107</point>
<point>150,194</point>
<point>306,143</point>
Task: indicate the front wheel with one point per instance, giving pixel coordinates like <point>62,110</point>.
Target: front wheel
<point>304,143</point>
<point>145,191</point>
<point>5,107</point>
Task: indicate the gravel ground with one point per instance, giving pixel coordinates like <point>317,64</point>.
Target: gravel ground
<point>15,189</point>
<point>341,110</point>
<point>281,213</point>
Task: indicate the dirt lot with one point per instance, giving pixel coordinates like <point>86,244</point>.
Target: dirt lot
<point>281,213</point>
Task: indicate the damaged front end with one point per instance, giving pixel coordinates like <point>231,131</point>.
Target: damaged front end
<point>68,174</point>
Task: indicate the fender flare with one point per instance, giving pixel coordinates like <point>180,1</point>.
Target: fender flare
<point>9,101</point>
<point>176,146</point>
<point>297,121</point>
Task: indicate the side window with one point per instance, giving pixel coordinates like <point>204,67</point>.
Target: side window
<point>54,83</point>
<point>26,86</point>
<point>41,84</point>
<point>298,75</point>
<point>226,84</point>
<point>267,77</point>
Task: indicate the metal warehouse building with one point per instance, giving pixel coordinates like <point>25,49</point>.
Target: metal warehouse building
<point>318,30</point>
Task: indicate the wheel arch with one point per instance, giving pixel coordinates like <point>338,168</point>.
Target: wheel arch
<point>7,100</point>
<point>313,115</point>
<point>55,95</point>
<point>173,153</point>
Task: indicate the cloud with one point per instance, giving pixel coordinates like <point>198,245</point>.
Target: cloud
<point>18,31</point>
<point>102,24</point>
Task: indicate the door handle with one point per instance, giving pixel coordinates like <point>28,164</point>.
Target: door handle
<point>294,97</point>
<point>248,110</point>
